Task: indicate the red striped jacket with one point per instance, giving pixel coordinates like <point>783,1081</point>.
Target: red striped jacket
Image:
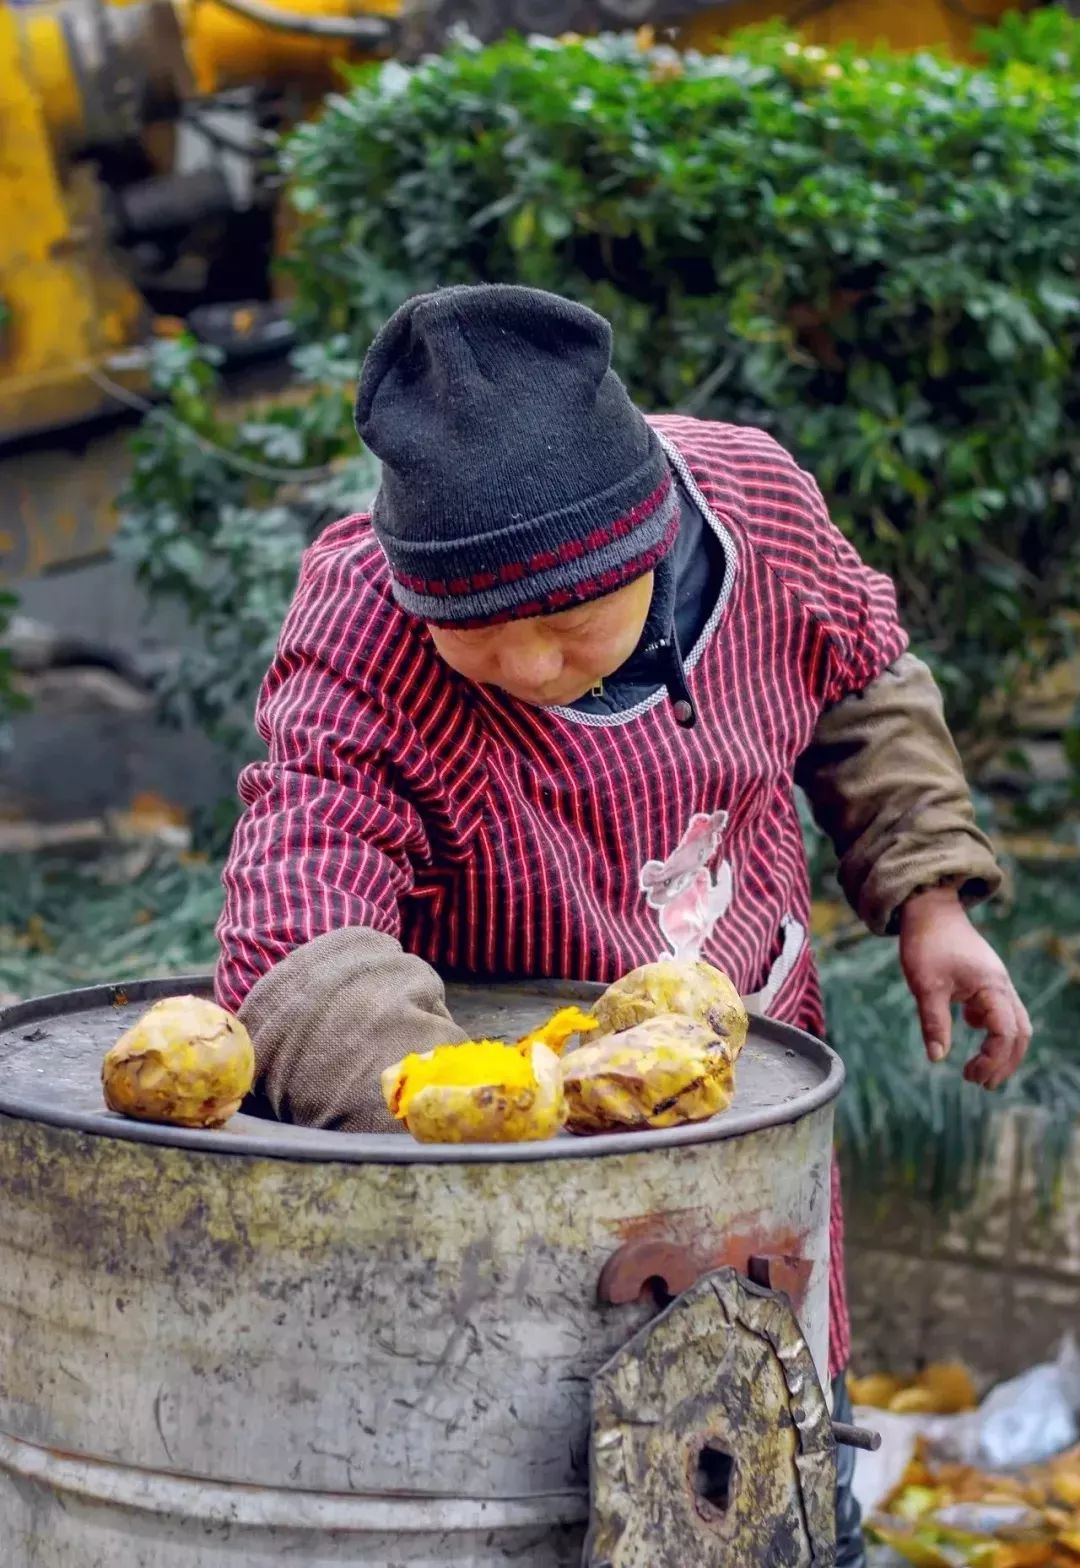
<point>495,839</point>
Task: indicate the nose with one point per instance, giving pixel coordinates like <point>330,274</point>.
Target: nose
<point>529,660</point>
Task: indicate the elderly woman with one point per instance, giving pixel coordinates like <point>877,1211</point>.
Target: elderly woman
<point>544,711</point>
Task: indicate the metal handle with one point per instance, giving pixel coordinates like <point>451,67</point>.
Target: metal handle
<point>670,1269</point>
<point>856,1437</point>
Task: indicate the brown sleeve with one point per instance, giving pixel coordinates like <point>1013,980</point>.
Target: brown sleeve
<point>327,1019</point>
<point>885,782</point>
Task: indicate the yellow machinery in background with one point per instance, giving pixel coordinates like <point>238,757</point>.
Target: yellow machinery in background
<point>110,223</point>
<point>96,210</point>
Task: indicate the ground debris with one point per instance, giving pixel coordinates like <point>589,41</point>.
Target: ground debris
<point>956,1516</point>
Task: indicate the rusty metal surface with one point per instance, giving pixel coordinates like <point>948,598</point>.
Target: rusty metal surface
<point>660,1266</point>
<point>320,1352</point>
<point>407,1336</point>
<point>712,1443</point>
<point>51,1052</point>
<point>415,1341</point>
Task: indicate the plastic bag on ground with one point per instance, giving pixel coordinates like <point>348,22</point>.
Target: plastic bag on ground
<point>1022,1422</point>
<point>1025,1421</point>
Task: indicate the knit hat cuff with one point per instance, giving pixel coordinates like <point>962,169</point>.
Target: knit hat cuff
<point>620,535</point>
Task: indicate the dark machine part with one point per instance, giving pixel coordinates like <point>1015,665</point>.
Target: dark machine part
<point>188,240</point>
<point>426,24</point>
<point>131,68</point>
<point>171,203</point>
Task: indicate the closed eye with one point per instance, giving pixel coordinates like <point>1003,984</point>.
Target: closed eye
<point>568,622</point>
<point>469,636</point>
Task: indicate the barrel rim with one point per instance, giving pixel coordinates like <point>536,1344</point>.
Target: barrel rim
<point>317,1146</point>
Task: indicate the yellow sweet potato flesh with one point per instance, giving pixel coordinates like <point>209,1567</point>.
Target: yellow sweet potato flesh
<point>482,1091</point>
<point>561,1028</point>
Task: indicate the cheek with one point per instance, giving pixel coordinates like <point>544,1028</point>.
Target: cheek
<point>470,660</point>
<point>610,643</point>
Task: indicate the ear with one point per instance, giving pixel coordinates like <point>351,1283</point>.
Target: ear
<point>652,875</point>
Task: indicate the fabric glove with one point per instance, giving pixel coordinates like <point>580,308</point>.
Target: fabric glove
<point>328,1019</point>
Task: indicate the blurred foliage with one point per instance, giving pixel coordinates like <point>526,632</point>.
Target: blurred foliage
<point>62,925</point>
<point>11,699</point>
<point>902,1119</point>
<point>1047,39</point>
<point>874,257</point>
<point>216,515</point>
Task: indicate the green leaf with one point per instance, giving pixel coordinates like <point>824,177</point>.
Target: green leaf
<point>523,227</point>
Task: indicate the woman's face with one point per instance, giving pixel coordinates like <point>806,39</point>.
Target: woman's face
<point>554,659</point>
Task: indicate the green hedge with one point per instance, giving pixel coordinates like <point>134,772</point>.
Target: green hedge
<point>873,257</point>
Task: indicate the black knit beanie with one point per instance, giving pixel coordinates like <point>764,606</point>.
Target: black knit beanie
<point>517,476</point>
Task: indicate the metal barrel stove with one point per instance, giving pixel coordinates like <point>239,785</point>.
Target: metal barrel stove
<point>272,1344</point>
